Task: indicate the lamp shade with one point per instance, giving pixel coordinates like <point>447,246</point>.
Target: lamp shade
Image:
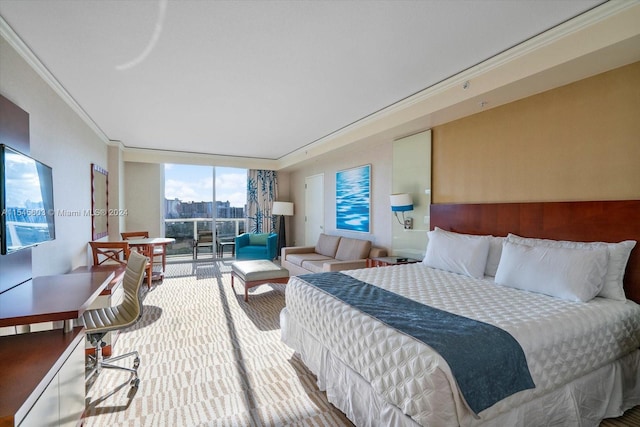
<point>282,208</point>
<point>401,202</point>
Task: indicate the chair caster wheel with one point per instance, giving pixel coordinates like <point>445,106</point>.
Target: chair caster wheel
<point>135,382</point>
<point>136,363</point>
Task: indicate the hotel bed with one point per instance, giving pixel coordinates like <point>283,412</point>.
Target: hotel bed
<point>561,354</point>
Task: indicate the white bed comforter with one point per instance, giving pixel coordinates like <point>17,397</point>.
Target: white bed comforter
<point>562,340</point>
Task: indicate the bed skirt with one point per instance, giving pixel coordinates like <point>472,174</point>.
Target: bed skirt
<point>604,393</point>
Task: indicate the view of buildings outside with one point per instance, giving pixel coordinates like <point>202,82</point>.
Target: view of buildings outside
<point>191,210</point>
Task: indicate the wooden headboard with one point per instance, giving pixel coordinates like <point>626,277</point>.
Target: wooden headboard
<point>605,221</point>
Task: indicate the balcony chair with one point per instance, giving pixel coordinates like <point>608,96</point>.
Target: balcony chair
<point>221,245</point>
<point>204,240</point>
<point>98,322</point>
<point>257,246</point>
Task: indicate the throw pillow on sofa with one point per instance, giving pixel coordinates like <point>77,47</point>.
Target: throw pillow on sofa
<point>327,245</point>
<point>351,249</point>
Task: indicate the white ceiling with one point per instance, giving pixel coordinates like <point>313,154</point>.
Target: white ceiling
<point>261,79</point>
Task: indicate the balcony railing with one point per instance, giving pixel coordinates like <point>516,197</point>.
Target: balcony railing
<point>185,231</point>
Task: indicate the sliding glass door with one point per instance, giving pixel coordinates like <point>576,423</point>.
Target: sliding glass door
<point>204,204</point>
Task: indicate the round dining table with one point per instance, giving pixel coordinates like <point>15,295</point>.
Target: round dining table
<point>150,243</point>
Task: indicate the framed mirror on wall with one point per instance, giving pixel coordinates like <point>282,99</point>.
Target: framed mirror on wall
<point>99,202</point>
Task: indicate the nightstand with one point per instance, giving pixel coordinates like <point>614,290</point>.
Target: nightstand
<point>389,260</point>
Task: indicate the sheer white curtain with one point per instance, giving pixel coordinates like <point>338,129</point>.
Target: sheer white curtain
<point>262,191</point>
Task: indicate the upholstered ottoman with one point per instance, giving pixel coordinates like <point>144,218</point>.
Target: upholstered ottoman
<point>256,272</point>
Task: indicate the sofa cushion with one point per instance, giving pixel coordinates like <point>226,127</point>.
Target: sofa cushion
<point>313,266</point>
<point>327,245</point>
<point>258,239</point>
<point>349,249</point>
<point>299,259</point>
<point>251,252</point>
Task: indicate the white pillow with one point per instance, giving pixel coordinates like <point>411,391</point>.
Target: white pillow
<point>618,256</point>
<point>571,274</point>
<point>495,250</point>
<point>458,253</point>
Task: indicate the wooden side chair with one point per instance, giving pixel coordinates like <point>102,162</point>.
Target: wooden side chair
<point>135,235</point>
<point>110,253</point>
<point>105,253</point>
<point>159,253</point>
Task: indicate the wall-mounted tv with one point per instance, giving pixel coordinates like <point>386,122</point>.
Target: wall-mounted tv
<point>26,201</point>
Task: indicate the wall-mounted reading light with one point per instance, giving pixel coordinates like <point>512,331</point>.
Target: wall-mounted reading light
<point>401,203</point>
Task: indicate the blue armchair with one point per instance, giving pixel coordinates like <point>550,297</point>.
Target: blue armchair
<point>257,246</point>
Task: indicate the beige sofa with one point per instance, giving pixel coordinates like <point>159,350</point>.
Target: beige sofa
<point>331,253</point>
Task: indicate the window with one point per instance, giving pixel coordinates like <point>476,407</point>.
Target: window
<point>193,204</point>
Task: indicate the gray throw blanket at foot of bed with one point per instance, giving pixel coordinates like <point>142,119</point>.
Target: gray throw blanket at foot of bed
<point>487,362</point>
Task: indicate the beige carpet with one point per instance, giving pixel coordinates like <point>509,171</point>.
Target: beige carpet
<point>210,359</point>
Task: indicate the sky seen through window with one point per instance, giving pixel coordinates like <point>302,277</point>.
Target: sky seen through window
<point>193,183</point>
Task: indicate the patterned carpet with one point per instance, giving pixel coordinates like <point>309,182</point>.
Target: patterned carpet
<point>210,359</point>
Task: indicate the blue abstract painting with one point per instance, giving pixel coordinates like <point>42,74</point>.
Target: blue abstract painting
<point>353,196</point>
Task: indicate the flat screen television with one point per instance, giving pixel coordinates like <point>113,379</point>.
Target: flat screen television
<point>26,200</point>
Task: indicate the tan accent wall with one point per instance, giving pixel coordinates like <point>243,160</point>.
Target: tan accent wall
<point>578,142</point>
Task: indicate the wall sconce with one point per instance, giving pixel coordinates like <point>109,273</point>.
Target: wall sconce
<point>401,203</point>
<point>283,209</point>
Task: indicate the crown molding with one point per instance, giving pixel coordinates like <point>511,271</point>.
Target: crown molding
<point>150,155</point>
<point>454,88</point>
<point>34,62</point>
<point>341,137</point>
<point>522,50</point>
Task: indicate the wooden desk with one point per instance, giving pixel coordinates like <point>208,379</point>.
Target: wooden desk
<point>117,270</point>
<point>52,298</point>
<point>29,362</point>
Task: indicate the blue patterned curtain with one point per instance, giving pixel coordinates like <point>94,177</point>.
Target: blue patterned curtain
<point>262,191</point>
